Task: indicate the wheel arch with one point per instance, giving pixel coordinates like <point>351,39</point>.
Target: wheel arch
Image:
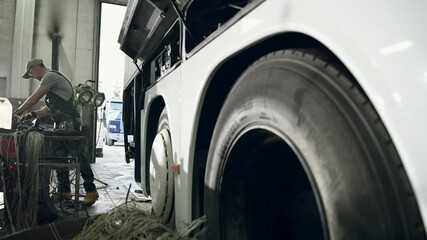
<point>154,110</point>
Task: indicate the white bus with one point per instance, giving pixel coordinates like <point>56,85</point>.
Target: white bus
<point>280,119</point>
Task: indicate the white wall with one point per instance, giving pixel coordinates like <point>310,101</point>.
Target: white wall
<point>7,19</point>
<point>77,21</point>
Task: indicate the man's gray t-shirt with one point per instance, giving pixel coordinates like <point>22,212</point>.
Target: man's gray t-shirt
<point>58,84</point>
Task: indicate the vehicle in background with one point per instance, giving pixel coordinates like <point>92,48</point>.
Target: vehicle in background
<point>280,119</point>
<point>113,132</point>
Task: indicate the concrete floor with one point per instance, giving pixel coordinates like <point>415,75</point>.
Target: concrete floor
<point>113,170</point>
<point>113,178</point>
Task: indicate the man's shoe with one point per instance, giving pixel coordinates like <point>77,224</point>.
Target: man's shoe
<point>90,198</point>
<point>58,196</point>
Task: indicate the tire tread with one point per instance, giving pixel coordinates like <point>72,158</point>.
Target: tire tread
<point>331,65</point>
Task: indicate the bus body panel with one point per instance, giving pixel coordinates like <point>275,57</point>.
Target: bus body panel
<point>169,91</point>
<point>381,43</point>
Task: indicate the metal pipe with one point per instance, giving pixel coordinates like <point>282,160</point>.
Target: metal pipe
<point>56,40</point>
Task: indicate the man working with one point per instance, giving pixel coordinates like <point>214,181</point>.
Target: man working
<point>59,100</point>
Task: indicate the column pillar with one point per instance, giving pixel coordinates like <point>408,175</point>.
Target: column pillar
<point>22,47</point>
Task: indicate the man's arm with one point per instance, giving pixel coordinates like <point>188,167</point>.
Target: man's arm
<point>42,112</point>
<point>32,100</point>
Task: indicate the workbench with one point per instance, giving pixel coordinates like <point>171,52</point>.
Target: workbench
<point>68,159</point>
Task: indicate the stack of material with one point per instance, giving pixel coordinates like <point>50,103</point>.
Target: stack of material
<point>20,179</point>
<point>129,222</point>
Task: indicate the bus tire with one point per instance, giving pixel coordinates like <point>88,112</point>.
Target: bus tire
<point>299,152</point>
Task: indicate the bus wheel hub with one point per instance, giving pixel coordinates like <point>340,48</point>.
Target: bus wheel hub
<point>161,176</point>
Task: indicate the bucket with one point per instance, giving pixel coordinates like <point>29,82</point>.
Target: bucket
<point>6,110</point>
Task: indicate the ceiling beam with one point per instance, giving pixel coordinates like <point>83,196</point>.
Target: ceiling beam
<point>117,2</point>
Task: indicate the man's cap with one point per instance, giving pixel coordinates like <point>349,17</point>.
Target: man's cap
<point>30,64</point>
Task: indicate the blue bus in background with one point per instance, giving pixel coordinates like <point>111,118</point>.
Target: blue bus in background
<point>113,122</point>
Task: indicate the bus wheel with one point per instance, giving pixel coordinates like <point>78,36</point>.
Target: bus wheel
<point>161,175</point>
<point>299,152</point>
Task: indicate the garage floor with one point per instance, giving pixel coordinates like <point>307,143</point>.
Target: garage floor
<point>112,169</point>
